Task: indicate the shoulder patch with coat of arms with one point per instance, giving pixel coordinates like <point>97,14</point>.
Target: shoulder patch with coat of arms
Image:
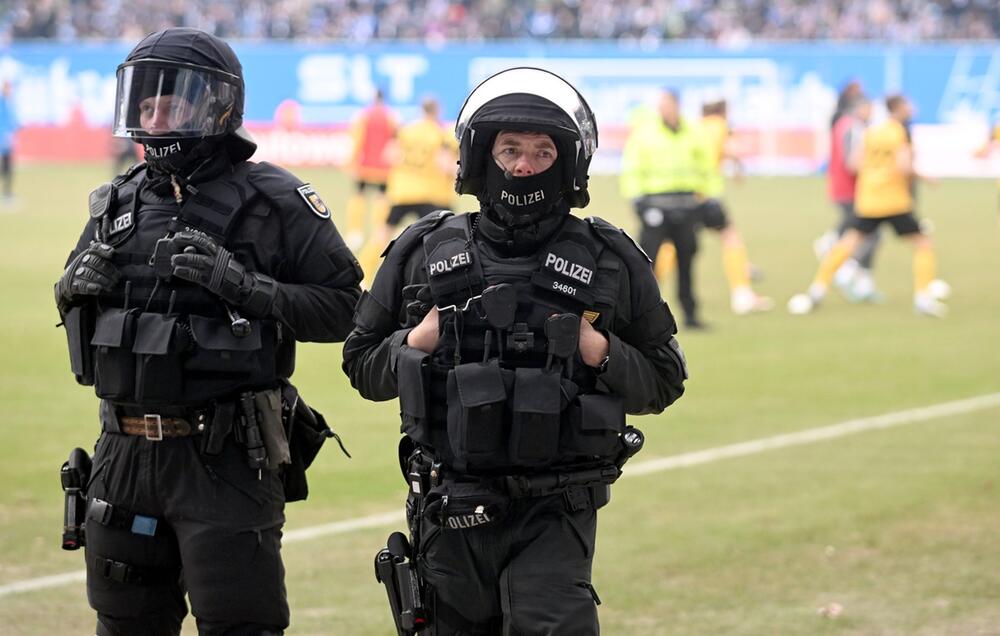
<point>308,194</point>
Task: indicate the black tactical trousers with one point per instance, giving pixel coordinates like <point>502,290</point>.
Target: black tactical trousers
<point>218,539</point>
<point>678,226</point>
<point>526,575</point>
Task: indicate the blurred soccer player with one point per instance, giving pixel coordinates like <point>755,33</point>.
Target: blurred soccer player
<point>883,195</point>
<point>850,92</point>
<point>422,178</point>
<point>371,132</point>
<point>854,277</point>
<point>715,127</point>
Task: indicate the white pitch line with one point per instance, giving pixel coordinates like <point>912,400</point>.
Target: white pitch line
<point>808,436</point>
<point>340,527</point>
<point>43,582</point>
<point>683,460</point>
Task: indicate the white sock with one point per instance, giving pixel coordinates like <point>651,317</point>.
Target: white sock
<point>846,273</point>
<point>816,292</point>
<point>864,284</point>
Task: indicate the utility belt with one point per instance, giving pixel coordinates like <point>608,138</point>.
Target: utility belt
<point>463,505</point>
<point>253,418</point>
<point>455,500</point>
<point>275,427</point>
<point>163,423</point>
<point>667,201</point>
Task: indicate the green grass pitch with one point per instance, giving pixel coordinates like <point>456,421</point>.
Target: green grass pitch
<point>900,527</point>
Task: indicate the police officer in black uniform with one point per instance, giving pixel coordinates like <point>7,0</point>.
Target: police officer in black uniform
<point>183,299</point>
<point>517,338</point>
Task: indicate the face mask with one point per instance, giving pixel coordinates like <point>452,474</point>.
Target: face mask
<point>170,154</point>
<point>522,200</point>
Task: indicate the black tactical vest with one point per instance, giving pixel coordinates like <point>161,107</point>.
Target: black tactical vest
<point>498,397</point>
<point>170,342</point>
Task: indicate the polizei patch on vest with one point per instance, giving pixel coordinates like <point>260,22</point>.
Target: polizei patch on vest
<point>564,266</point>
<point>121,223</point>
<point>567,269</point>
<point>449,263</point>
<point>308,194</point>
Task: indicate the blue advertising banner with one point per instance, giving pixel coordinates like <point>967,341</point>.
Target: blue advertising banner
<point>781,94</point>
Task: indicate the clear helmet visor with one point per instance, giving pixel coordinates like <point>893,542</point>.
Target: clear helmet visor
<point>157,98</point>
<point>541,83</point>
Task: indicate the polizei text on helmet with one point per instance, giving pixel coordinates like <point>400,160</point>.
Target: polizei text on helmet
<point>522,199</point>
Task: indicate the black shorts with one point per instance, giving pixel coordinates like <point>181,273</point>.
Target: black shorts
<point>373,185</point>
<point>399,212</point>
<point>847,210</point>
<point>904,224</point>
<point>712,215</point>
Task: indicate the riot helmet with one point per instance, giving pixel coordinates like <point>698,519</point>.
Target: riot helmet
<point>180,94</point>
<point>525,99</point>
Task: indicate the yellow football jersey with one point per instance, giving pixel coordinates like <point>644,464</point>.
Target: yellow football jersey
<point>883,189</point>
<point>716,131</point>
<point>425,171</point>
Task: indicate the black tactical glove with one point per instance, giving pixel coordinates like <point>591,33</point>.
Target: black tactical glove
<point>418,300</point>
<point>88,274</point>
<point>203,261</point>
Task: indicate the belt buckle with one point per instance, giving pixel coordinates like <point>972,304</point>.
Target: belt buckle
<point>154,426</point>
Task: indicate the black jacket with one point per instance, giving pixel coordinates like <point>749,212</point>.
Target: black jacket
<point>645,367</point>
<point>278,234</point>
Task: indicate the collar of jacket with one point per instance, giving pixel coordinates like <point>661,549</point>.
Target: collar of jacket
<point>521,240</point>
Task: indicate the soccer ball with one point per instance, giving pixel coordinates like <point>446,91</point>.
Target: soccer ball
<point>938,289</point>
<point>800,304</point>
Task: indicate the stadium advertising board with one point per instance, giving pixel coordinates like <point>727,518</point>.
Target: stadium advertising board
<point>301,97</point>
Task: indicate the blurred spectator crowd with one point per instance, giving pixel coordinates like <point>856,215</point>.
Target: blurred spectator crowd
<point>643,21</point>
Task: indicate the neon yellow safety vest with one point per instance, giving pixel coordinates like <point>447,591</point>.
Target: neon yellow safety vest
<point>657,159</point>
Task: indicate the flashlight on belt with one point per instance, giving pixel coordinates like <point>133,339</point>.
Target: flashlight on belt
<point>632,440</point>
<point>75,474</point>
